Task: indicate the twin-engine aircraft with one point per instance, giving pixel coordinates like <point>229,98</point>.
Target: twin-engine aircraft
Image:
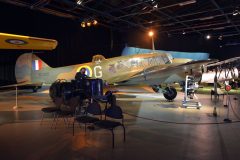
<point>149,69</point>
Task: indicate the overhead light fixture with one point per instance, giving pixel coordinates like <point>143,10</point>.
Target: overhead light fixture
<point>208,36</point>
<point>220,37</point>
<point>83,24</point>
<point>79,2</point>
<point>206,18</point>
<point>150,33</point>
<point>155,6</point>
<point>218,28</point>
<point>88,24</point>
<point>235,12</point>
<point>183,32</point>
<point>94,22</point>
<point>144,8</point>
<point>187,3</point>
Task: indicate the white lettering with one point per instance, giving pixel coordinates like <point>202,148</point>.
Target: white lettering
<point>97,71</point>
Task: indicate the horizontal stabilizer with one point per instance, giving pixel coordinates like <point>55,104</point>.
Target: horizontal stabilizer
<point>11,41</point>
<point>16,85</point>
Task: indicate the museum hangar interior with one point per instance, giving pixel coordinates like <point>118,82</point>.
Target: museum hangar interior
<point>160,79</point>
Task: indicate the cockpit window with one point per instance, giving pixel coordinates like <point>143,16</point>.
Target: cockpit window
<point>98,58</point>
<point>169,58</point>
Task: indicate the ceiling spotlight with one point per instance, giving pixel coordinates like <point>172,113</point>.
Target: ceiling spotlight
<point>88,24</point>
<point>79,2</point>
<point>155,6</point>
<point>183,32</point>
<point>150,33</point>
<point>94,22</point>
<point>220,46</point>
<point>208,36</point>
<point>83,24</point>
<point>235,12</point>
<point>220,37</point>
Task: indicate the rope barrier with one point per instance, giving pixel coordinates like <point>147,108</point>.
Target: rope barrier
<point>178,123</point>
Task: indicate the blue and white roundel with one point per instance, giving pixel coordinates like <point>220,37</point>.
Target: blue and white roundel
<point>88,70</point>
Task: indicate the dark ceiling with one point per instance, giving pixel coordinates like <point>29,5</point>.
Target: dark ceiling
<point>219,18</point>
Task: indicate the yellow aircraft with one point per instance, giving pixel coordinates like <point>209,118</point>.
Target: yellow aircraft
<point>149,68</point>
<point>12,41</point>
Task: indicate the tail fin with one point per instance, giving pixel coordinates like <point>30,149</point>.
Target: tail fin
<point>28,67</point>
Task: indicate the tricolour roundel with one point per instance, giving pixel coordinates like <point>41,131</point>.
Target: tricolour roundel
<point>228,88</point>
<point>88,70</point>
<point>16,41</point>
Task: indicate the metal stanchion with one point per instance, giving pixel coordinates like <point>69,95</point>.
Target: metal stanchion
<point>215,95</point>
<point>229,104</point>
<point>16,99</point>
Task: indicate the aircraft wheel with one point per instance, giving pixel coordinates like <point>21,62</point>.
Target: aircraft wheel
<point>170,93</point>
<point>35,89</point>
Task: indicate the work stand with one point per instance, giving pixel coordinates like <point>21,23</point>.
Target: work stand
<point>190,98</point>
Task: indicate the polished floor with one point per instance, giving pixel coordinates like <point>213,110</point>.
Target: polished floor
<point>156,129</point>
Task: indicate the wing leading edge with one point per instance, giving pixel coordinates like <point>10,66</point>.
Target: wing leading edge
<point>11,41</point>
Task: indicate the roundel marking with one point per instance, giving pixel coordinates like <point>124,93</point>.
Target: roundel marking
<point>88,70</point>
<point>16,41</point>
<point>228,88</point>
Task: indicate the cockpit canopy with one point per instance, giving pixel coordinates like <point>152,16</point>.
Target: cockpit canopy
<point>98,58</point>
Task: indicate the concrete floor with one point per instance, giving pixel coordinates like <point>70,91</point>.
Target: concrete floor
<point>156,129</point>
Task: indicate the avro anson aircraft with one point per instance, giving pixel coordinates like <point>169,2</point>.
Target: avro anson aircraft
<point>149,69</point>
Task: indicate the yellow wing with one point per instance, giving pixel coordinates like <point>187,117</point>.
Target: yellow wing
<point>11,41</point>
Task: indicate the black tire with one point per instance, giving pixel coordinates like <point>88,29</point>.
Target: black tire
<point>170,93</point>
<point>35,89</point>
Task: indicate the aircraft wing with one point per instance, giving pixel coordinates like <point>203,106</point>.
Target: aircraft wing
<point>23,83</point>
<point>228,62</point>
<point>11,41</point>
<point>167,74</point>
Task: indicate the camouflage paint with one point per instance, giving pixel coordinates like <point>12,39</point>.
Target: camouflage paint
<point>151,68</point>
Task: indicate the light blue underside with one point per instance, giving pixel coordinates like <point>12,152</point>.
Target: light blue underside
<point>175,54</point>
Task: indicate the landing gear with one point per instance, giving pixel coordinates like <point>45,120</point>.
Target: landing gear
<point>156,88</point>
<point>35,89</point>
<point>170,93</point>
